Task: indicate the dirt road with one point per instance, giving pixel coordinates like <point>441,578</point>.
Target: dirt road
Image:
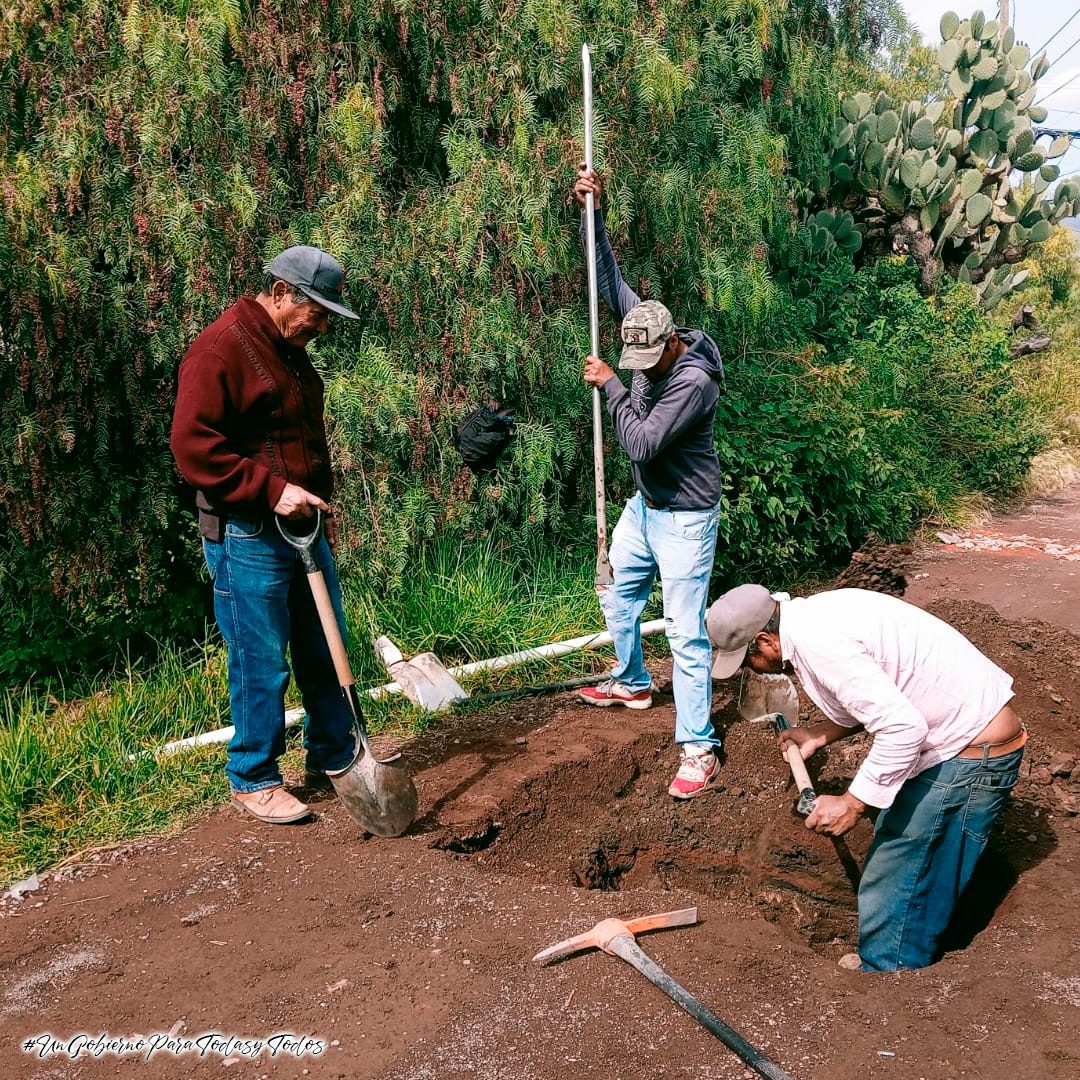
<point>408,959</point>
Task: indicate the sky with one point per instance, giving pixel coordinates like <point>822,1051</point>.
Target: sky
<point>1035,22</point>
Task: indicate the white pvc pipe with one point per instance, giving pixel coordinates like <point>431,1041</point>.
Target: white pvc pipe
<point>498,663</point>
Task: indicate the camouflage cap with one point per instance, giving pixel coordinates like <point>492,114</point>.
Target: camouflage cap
<point>645,331</point>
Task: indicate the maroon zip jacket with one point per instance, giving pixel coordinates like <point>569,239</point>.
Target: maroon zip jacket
<point>249,416</point>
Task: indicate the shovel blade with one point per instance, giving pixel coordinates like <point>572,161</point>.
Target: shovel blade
<point>432,686</point>
<point>378,795</point>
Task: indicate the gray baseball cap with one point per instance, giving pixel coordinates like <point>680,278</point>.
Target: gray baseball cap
<point>645,331</point>
<point>316,273</point>
<point>733,622</point>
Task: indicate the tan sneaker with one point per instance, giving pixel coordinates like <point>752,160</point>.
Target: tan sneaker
<point>273,804</point>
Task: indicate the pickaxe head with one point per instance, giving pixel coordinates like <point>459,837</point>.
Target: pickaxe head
<point>604,932</point>
<point>779,722</point>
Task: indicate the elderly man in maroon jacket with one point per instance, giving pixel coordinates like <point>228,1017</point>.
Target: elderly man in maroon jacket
<point>248,434</point>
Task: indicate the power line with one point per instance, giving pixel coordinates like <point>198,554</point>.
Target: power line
<point>1061,56</point>
<point>1056,32</point>
<point>1046,97</point>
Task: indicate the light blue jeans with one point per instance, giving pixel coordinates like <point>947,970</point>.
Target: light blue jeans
<point>924,850</point>
<point>263,606</point>
<point>679,545</point>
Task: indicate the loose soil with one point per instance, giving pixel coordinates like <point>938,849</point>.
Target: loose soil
<point>410,958</point>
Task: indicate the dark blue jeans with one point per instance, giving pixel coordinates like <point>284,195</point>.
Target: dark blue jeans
<point>264,606</point>
<point>924,850</point>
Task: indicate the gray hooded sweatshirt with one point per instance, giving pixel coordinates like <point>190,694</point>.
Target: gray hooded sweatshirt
<point>667,428</point>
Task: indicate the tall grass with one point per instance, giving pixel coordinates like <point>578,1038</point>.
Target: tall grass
<point>66,781</point>
<point>466,604</point>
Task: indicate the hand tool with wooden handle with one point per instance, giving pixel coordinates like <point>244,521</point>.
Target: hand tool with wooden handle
<point>807,794</point>
<point>616,938</point>
<point>378,793</point>
<point>603,576</point>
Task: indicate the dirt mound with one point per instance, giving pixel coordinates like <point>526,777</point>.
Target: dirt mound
<point>879,567</point>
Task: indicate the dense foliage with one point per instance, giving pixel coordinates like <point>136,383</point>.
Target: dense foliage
<point>155,153</point>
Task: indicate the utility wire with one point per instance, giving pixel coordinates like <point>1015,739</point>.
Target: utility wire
<point>1046,97</point>
<point>1061,56</point>
<point>1056,32</point>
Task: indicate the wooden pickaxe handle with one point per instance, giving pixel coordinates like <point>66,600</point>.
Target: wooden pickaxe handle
<point>798,768</point>
<point>807,794</point>
<point>626,949</point>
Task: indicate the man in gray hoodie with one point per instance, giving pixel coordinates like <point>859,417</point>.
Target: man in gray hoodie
<point>665,422</point>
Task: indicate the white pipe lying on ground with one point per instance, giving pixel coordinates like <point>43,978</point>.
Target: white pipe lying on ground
<point>498,663</point>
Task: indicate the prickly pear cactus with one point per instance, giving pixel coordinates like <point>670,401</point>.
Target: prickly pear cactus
<point>962,183</point>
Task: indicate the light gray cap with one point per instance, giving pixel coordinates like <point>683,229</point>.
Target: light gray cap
<point>316,273</point>
<point>733,621</point>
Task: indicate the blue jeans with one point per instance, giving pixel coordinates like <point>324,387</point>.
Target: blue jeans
<point>924,850</point>
<point>679,545</point>
<point>263,605</point>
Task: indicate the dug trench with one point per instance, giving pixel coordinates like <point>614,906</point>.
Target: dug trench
<point>581,802</point>
<point>586,807</point>
<point>410,958</point>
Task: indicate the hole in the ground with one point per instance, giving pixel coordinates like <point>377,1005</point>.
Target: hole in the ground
<point>470,843</point>
<point>604,866</point>
<point>816,909</point>
<point>605,822</point>
<point>585,804</point>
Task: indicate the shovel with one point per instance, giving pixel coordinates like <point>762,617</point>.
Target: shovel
<point>378,793</point>
<point>423,679</point>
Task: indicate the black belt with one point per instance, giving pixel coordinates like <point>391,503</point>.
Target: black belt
<point>656,506</point>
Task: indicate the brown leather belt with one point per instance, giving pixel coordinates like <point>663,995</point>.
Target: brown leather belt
<point>978,751</point>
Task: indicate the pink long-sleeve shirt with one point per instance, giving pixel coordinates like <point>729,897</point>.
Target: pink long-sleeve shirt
<point>914,682</point>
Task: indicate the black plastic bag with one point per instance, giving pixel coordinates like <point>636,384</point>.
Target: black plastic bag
<point>483,435</point>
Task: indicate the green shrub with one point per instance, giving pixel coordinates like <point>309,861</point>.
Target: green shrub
<point>153,156</point>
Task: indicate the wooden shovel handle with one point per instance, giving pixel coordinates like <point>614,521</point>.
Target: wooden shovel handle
<point>328,618</point>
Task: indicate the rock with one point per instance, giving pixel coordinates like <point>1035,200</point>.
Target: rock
<point>1062,764</point>
<point>1041,775</point>
<point>1068,804</point>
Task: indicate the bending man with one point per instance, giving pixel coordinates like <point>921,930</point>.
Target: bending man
<point>665,422</point>
<point>946,751</point>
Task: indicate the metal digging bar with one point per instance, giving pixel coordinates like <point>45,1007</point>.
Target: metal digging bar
<point>603,576</point>
<point>616,938</point>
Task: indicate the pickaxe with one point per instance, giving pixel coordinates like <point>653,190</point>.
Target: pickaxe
<point>616,938</point>
<point>807,794</point>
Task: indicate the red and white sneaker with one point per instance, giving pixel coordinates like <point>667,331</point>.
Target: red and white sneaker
<point>697,773</point>
<point>612,692</point>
